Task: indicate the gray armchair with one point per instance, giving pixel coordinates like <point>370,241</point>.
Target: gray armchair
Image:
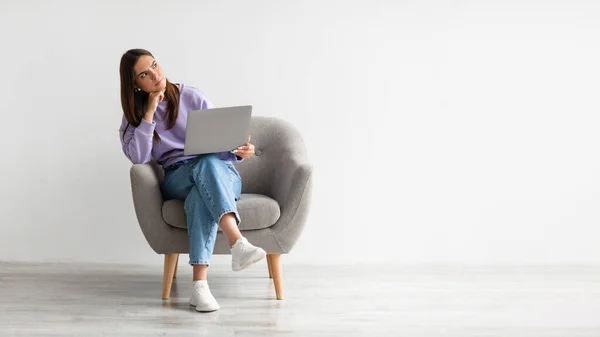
<point>275,200</point>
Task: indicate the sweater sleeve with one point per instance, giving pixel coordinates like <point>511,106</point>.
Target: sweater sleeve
<point>203,103</point>
<point>137,141</point>
<point>229,156</point>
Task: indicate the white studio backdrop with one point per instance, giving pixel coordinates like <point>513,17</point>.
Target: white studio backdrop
<point>440,131</point>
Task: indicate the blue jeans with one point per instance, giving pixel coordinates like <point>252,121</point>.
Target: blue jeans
<point>210,188</point>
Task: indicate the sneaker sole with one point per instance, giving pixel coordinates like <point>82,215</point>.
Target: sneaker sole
<point>204,310</point>
<point>251,262</point>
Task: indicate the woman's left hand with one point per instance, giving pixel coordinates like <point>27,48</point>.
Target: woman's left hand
<point>245,151</point>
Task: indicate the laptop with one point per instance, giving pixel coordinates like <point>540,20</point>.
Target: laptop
<point>217,129</point>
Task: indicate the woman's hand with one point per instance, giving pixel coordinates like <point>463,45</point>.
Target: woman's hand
<point>245,151</point>
<point>153,99</point>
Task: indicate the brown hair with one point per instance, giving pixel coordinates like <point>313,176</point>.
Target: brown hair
<point>134,103</point>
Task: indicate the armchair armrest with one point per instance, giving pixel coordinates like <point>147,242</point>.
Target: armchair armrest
<point>145,187</point>
<point>148,201</point>
<point>292,188</point>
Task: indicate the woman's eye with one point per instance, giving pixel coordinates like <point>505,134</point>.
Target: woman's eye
<point>144,75</point>
<point>154,66</point>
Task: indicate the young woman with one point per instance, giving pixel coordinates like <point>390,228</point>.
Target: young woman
<point>153,126</point>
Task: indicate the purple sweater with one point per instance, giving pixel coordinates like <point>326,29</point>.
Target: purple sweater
<point>138,145</point>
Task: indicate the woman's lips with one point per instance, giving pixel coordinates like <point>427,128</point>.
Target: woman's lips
<point>158,82</point>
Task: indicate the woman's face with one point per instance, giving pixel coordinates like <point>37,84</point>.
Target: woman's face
<point>149,75</point>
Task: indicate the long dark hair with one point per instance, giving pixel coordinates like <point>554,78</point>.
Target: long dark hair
<point>134,103</point>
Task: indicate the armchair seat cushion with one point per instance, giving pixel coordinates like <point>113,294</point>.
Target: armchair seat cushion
<point>256,211</point>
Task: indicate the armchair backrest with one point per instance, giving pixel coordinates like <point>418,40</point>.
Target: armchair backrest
<point>275,141</point>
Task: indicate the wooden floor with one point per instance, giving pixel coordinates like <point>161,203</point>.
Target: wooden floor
<point>107,300</point>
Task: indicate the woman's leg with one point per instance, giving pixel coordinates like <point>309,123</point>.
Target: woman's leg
<point>211,188</point>
<point>202,233</point>
<point>200,272</point>
<point>178,184</point>
<point>210,202</point>
<point>219,185</point>
<point>206,181</point>
<point>230,229</point>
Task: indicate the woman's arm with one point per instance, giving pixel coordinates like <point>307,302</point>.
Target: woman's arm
<point>227,155</point>
<point>137,142</point>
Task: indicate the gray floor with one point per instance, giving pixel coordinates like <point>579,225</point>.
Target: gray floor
<point>107,300</point>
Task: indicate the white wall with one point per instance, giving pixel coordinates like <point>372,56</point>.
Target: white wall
<point>440,131</point>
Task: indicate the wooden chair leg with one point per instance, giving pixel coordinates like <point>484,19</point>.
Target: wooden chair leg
<point>277,274</point>
<point>170,263</point>
<point>269,265</point>
<point>176,264</point>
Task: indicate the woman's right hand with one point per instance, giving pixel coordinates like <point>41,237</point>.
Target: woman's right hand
<point>153,99</point>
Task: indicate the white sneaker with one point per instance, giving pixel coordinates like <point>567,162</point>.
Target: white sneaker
<point>202,299</point>
<point>243,254</point>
